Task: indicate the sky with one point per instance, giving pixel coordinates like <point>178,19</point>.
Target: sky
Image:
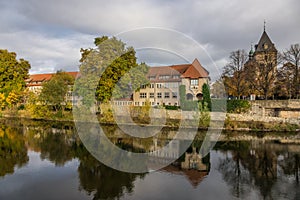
<point>49,34</point>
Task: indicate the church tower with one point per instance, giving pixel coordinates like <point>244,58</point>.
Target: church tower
<point>265,50</point>
<point>261,66</point>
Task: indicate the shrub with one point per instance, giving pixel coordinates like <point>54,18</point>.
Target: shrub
<point>238,106</point>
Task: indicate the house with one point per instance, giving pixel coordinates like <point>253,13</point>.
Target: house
<point>35,81</point>
<point>163,88</point>
<point>35,84</point>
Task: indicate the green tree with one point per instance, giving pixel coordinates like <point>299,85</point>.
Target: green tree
<point>55,90</point>
<point>13,74</point>
<point>113,66</point>
<point>206,96</point>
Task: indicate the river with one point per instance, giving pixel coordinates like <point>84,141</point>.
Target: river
<point>43,160</point>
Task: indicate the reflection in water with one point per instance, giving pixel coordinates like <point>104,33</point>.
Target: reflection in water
<point>13,151</point>
<point>266,169</point>
<point>254,164</point>
<point>101,181</point>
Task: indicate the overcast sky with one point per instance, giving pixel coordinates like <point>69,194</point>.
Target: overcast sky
<point>50,33</point>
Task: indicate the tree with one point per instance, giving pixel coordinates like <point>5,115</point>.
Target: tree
<point>291,57</point>
<point>284,81</point>
<point>111,60</point>
<point>233,74</point>
<point>206,96</point>
<point>13,74</point>
<point>54,91</point>
<point>260,75</point>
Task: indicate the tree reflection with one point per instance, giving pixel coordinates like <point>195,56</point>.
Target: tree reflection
<point>101,181</point>
<point>57,148</point>
<point>13,151</point>
<point>234,173</point>
<point>291,164</point>
<point>247,165</point>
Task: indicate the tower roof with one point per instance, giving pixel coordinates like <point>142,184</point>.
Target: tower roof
<point>265,43</point>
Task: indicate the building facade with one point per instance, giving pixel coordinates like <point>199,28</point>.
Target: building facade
<point>163,88</point>
<point>262,67</point>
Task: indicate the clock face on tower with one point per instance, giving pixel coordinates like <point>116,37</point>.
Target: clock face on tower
<point>265,46</point>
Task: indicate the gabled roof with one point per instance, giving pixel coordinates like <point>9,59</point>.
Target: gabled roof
<point>194,70</point>
<point>265,39</point>
<point>192,175</point>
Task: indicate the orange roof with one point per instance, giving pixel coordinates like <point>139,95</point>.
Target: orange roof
<point>192,175</point>
<point>38,79</point>
<point>194,70</point>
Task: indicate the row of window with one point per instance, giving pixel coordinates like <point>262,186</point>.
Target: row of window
<point>162,85</point>
<point>167,95</point>
<point>153,103</point>
<point>164,77</point>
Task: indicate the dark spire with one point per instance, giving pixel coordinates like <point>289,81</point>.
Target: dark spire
<point>265,43</point>
<point>251,52</point>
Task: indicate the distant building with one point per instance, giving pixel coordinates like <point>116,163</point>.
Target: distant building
<point>162,90</point>
<point>35,81</point>
<point>165,81</point>
<point>35,84</point>
<point>263,60</point>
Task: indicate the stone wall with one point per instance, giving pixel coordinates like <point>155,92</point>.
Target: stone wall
<point>276,108</point>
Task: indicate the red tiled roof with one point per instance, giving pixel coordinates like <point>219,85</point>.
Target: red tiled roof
<point>194,70</point>
<point>38,79</point>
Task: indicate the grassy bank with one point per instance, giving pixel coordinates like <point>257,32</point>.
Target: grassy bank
<point>141,117</point>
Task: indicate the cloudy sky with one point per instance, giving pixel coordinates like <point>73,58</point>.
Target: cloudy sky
<point>50,33</point>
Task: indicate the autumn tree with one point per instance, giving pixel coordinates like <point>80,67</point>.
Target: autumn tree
<point>291,59</point>
<point>13,73</point>
<point>54,91</point>
<point>285,81</point>
<point>233,74</point>
<point>260,75</point>
<point>114,68</point>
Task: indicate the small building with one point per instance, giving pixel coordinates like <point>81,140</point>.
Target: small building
<point>35,81</point>
<point>163,88</point>
<point>35,84</point>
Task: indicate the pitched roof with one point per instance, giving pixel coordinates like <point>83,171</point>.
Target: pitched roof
<point>265,39</point>
<point>194,70</point>
<point>192,175</point>
<point>38,79</point>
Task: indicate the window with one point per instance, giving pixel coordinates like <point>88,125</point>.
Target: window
<point>143,86</point>
<point>194,82</point>
<point>163,77</point>
<point>158,85</point>
<point>176,76</point>
<point>143,95</point>
<point>151,95</point>
<point>152,85</point>
<point>151,77</point>
<point>167,95</point>
<point>159,95</point>
<point>174,95</point>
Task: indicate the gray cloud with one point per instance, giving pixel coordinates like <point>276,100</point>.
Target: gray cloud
<point>50,33</point>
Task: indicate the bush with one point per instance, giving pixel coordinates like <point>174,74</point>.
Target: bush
<point>171,107</point>
<point>238,106</point>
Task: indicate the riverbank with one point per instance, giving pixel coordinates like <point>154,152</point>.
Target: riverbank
<point>173,119</point>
